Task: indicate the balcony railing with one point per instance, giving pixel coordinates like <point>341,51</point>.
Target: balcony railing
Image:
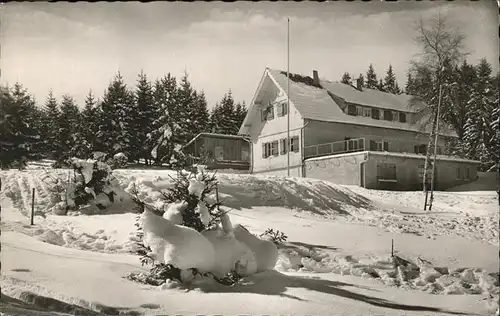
<point>362,144</point>
<point>339,147</point>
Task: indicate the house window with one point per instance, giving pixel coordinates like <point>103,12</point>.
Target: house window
<point>379,145</point>
<point>376,114</point>
<point>354,144</point>
<point>274,148</point>
<point>267,113</point>
<point>351,109</point>
<point>219,153</point>
<point>282,108</point>
<point>467,173</point>
<point>283,146</point>
<point>420,149</point>
<point>359,110</point>
<point>387,115</point>
<point>459,174</point>
<point>361,144</point>
<point>266,150</point>
<point>294,144</point>
<point>386,171</point>
<point>367,112</point>
<point>439,150</point>
<point>402,117</point>
<point>395,116</point>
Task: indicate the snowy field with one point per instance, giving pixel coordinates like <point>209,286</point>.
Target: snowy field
<point>337,257</point>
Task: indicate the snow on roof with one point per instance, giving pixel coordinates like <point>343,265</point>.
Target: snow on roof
<point>316,104</point>
<point>370,97</point>
<point>215,135</point>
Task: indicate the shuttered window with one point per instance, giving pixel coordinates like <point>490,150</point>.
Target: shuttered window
<point>294,144</point>
<point>382,145</point>
<point>267,113</point>
<point>266,150</point>
<point>282,108</point>
<point>283,148</point>
<point>420,149</point>
<point>351,109</point>
<point>274,148</point>
<point>402,117</point>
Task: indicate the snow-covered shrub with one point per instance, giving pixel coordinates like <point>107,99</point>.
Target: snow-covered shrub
<point>191,236</point>
<point>193,190</point>
<point>118,161</point>
<point>92,184</point>
<point>275,236</point>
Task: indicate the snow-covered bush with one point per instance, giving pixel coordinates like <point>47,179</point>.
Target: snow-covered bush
<point>119,160</point>
<point>275,236</point>
<point>192,236</point>
<point>92,183</point>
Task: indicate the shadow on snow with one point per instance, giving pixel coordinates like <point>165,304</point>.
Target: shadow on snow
<point>276,283</point>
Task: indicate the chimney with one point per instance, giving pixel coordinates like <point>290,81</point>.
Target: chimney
<point>358,84</point>
<point>315,78</point>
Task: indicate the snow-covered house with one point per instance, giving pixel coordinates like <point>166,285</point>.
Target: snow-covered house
<point>219,151</point>
<point>345,134</point>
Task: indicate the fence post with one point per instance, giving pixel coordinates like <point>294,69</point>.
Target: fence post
<point>392,248</point>
<point>217,196</point>
<point>33,206</point>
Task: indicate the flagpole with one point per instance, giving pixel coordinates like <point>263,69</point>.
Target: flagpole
<point>288,100</point>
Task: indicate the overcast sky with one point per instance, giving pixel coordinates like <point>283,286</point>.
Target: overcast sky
<point>74,47</point>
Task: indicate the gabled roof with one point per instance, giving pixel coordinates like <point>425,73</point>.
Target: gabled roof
<point>370,97</point>
<point>317,103</point>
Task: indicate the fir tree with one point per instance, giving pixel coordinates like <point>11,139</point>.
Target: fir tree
<point>112,133</point>
<point>371,78</point>
<point>90,125</point>
<point>361,80</point>
<point>409,88</point>
<point>200,116</point>
<point>70,139</point>
<point>346,78</point>
<point>8,141</point>
<point>481,108</point>
<point>223,116</point>
<point>161,141</point>
<point>25,127</point>
<point>186,100</point>
<point>381,86</point>
<point>19,126</point>
<point>239,114</point>
<point>390,83</point>
<point>51,126</point>
<point>145,115</point>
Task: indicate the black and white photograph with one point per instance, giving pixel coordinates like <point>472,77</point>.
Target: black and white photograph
<point>250,158</point>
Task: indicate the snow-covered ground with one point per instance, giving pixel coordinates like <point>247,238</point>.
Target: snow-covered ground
<point>337,255</point>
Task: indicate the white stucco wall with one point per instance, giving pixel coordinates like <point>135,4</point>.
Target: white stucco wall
<point>276,129</point>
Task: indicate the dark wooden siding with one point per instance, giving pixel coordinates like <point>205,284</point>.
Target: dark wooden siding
<point>231,148</point>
